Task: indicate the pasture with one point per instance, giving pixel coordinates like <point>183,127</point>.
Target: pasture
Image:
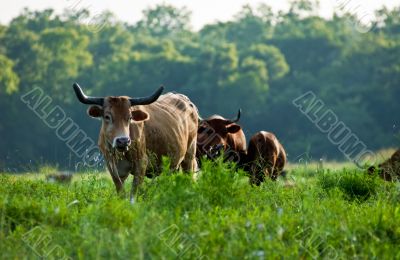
<point>335,213</point>
<point>322,79</point>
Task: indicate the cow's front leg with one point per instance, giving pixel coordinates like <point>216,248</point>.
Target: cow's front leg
<point>138,176</point>
<point>119,184</point>
<point>113,172</point>
<point>118,181</point>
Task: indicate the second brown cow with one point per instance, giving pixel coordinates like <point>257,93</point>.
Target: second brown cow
<point>218,133</point>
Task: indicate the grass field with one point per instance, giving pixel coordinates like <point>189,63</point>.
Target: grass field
<point>339,213</point>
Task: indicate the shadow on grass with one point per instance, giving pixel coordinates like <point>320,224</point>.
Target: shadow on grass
<point>354,185</point>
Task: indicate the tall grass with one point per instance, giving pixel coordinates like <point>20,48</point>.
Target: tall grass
<point>326,213</point>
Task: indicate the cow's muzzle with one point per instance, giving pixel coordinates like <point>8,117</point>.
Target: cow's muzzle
<point>122,143</point>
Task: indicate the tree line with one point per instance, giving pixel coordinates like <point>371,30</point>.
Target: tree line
<point>260,61</point>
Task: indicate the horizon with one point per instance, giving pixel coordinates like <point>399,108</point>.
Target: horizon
<point>201,13</point>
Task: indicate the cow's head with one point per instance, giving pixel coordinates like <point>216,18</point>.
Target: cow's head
<point>212,134</point>
<point>118,115</point>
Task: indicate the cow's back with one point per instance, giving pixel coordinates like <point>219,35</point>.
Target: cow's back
<point>262,144</point>
<point>237,141</point>
<point>171,129</point>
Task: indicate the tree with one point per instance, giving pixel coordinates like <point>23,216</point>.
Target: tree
<point>8,78</point>
<point>273,59</point>
<point>165,20</point>
<point>259,61</point>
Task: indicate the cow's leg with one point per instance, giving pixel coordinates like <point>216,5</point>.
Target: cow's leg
<point>138,176</point>
<point>136,182</point>
<point>114,175</point>
<point>189,163</point>
<point>118,183</point>
<point>273,173</point>
<point>257,178</point>
<point>269,162</point>
<point>280,164</point>
<point>257,173</point>
<point>272,167</point>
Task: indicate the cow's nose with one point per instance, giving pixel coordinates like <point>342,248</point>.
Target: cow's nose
<point>123,142</point>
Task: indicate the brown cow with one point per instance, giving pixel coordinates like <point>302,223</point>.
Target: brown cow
<point>390,169</point>
<point>137,132</point>
<point>266,157</point>
<point>217,133</point>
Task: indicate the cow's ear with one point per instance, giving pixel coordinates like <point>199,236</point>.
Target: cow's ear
<point>95,111</point>
<point>139,115</point>
<point>233,128</point>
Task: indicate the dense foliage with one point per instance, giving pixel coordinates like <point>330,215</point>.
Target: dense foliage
<point>260,62</point>
<point>337,214</point>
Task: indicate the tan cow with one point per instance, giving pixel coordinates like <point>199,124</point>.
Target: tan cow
<point>389,170</point>
<point>266,157</point>
<point>217,133</point>
<point>137,132</point>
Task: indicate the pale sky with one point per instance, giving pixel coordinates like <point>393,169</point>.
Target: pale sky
<point>204,11</point>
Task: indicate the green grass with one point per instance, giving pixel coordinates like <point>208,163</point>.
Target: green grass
<point>322,214</point>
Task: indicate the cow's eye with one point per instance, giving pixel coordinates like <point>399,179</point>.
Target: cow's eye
<point>107,118</point>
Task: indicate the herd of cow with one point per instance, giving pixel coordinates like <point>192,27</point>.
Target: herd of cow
<point>137,132</point>
<point>264,157</point>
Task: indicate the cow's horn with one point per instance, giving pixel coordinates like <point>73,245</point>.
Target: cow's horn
<point>147,100</point>
<point>237,117</point>
<point>85,99</point>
